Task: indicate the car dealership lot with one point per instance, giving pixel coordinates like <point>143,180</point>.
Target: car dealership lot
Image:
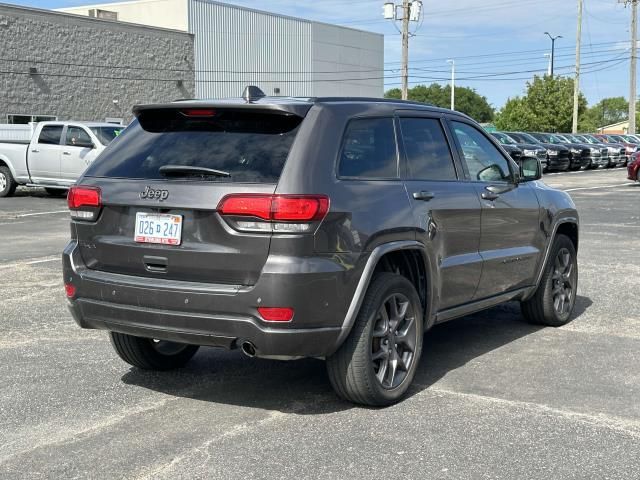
<point>493,398</point>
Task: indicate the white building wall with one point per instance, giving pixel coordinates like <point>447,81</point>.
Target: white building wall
<point>236,47</point>
<point>155,13</point>
<point>347,62</point>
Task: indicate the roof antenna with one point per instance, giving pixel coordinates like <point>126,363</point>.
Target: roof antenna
<point>252,93</point>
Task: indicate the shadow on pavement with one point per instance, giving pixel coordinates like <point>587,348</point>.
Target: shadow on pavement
<point>302,387</point>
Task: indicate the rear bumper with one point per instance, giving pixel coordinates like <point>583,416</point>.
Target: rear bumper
<point>221,315</point>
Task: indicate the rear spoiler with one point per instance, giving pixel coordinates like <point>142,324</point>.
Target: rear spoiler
<point>299,109</point>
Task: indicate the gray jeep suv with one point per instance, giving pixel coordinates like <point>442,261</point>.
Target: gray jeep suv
<point>335,228</point>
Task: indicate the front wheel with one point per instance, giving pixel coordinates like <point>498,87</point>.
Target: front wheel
<point>555,297</point>
<point>151,354</point>
<point>377,362</point>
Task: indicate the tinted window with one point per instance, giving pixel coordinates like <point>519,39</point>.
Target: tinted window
<point>106,134</point>
<point>484,161</point>
<point>50,135</point>
<point>428,154</point>
<point>369,149</point>
<point>251,146</point>
<point>77,137</point>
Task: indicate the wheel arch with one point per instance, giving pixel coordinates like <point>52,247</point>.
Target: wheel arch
<point>568,226</point>
<point>4,162</point>
<point>407,258</point>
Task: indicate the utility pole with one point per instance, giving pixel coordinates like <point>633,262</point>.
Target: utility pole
<point>634,60</point>
<point>548,55</point>
<point>553,48</point>
<point>405,49</point>
<point>576,82</point>
<point>453,83</point>
<point>411,11</point>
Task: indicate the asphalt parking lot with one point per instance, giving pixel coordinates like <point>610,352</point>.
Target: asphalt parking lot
<point>494,398</point>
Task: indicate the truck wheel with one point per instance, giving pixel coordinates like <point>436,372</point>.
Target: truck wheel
<point>378,360</point>
<point>7,184</point>
<point>555,297</point>
<point>151,354</point>
<point>55,192</point>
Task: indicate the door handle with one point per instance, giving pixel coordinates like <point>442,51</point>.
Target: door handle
<point>66,153</point>
<point>35,151</point>
<point>424,196</point>
<point>490,195</point>
<point>492,192</point>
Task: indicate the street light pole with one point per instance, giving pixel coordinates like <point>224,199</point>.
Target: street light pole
<point>453,83</point>
<point>553,48</point>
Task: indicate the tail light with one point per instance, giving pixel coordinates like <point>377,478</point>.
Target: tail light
<point>274,213</point>
<point>84,202</point>
<point>276,314</point>
<point>70,290</point>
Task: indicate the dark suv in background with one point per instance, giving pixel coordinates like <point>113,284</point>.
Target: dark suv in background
<point>335,228</point>
<point>580,154</point>
<point>558,156</point>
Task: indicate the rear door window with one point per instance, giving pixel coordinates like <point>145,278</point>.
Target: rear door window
<point>50,135</point>
<point>251,147</point>
<point>427,150</point>
<point>369,150</point>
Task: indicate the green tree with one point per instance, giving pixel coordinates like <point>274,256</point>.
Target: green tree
<point>467,99</point>
<point>605,112</point>
<point>547,106</point>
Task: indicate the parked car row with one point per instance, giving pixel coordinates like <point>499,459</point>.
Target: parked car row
<point>565,151</point>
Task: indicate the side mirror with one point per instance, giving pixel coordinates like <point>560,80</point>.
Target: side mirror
<point>530,169</point>
<point>492,173</point>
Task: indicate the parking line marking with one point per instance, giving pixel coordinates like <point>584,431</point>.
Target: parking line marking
<point>34,262</point>
<point>599,186</point>
<point>40,213</point>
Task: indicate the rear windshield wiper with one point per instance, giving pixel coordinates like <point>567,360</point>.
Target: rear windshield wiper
<point>187,170</point>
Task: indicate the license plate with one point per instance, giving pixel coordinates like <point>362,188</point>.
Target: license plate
<point>158,228</point>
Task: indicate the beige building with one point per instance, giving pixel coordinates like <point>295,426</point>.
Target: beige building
<point>283,55</point>
<point>615,128</point>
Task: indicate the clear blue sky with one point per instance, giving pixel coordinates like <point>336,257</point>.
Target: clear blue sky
<point>484,37</point>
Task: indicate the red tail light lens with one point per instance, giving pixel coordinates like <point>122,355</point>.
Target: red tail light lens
<point>247,206</point>
<point>276,314</point>
<point>79,197</point>
<point>303,208</point>
<point>70,290</point>
<point>84,202</point>
<point>285,213</point>
<point>199,112</point>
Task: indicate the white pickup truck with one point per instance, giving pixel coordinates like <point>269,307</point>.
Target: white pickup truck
<point>55,157</point>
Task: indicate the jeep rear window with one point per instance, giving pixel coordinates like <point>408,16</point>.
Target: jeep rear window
<point>369,150</point>
<point>251,146</point>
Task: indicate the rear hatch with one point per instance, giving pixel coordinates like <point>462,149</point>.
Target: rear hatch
<point>162,180</point>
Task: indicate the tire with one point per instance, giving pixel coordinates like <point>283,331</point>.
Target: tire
<point>150,354</point>
<point>354,373</point>
<point>575,168</point>
<point>55,192</point>
<point>552,304</point>
<point>7,183</point>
